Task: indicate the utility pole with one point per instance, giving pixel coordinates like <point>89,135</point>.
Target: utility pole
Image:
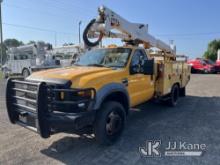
<point>1,32</point>
<point>55,39</point>
<point>80,22</point>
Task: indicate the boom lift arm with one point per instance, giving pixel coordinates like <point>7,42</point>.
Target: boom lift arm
<point>108,22</point>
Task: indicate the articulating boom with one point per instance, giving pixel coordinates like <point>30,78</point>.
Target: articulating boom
<point>108,22</point>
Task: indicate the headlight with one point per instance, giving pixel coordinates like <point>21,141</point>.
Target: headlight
<point>87,94</point>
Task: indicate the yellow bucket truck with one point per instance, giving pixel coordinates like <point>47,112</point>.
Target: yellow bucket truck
<point>97,92</point>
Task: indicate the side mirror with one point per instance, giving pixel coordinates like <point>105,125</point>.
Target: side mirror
<point>148,67</point>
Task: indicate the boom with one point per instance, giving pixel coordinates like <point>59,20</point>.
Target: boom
<point>111,25</point>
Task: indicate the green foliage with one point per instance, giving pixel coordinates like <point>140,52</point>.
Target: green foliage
<point>4,52</point>
<point>8,43</point>
<point>31,42</point>
<point>1,75</point>
<point>12,43</point>
<point>211,52</point>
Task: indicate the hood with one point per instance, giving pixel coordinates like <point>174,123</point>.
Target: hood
<point>68,74</point>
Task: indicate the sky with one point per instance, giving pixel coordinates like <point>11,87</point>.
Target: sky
<point>192,24</point>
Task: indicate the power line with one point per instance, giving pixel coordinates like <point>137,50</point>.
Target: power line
<point>41,29</point>
<point>88,10</point>
<point>179,36</point>
<point>64,8</point>
<point>188,34</point>
<point>40,11</point>
<point>37,28</point>
<point>49,30</point>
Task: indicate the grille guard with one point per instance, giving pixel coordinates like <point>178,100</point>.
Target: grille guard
<point>40,107</point>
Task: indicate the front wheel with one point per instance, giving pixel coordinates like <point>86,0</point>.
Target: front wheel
<point>5,75</point>
<point>25,73</point>
<point>110,122</point>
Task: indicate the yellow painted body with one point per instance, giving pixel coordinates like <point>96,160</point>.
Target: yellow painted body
<point>141,87</point>
<point>170,72</point>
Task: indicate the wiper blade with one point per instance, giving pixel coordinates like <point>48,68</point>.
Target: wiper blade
<point>77,65</point>
<point>98,65</point>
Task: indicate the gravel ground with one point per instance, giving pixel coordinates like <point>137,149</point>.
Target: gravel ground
<point>194,120</point>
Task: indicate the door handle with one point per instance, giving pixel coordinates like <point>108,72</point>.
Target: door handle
<point>125,81</point>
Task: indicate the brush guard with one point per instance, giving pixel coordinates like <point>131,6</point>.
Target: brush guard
<point>34,105</point>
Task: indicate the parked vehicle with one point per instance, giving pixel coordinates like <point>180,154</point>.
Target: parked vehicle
<point>23,60</point>
<point>200,65</point>
<point>215,65</point>
<point>97,93</point>
<point>67,55</point>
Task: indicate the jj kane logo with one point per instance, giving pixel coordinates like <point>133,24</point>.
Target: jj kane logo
<point>152,148</point>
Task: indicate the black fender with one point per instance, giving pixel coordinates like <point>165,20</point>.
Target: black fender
<point>109,89</point>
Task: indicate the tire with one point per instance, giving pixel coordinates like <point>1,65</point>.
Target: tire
<point>174,95</point>
<point>205,72</point>
<point>25,73</point>
<point>5,75</point>
<point>110,122</point>
<point>182,92</point>
<point>193,70</point>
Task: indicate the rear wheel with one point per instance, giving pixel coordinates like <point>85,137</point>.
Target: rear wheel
<point>193,70</point>
<point>205,71</point>
<point>174,96</point>
<point>109,123</point>
<point>25,73</point>
<point>183,92</point>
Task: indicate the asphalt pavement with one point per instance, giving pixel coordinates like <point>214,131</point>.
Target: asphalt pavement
<point>195,120</point>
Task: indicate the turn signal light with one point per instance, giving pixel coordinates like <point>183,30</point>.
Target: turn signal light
<point>61,95</point>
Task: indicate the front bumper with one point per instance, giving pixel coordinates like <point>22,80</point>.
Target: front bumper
<point>37,106</point>
<point>217,68</point>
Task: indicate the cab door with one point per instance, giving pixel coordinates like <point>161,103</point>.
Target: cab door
<point>140,86</point>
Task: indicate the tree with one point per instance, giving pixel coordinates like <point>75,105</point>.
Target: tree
<point>31,42</point>
<point>8,43</point>
<point>12,43</point>
<point>4,52</point>
<point>211,52</point>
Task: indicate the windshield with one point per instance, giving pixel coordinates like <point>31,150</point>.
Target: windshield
<point>210,62</point>
<point>114,57</point>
